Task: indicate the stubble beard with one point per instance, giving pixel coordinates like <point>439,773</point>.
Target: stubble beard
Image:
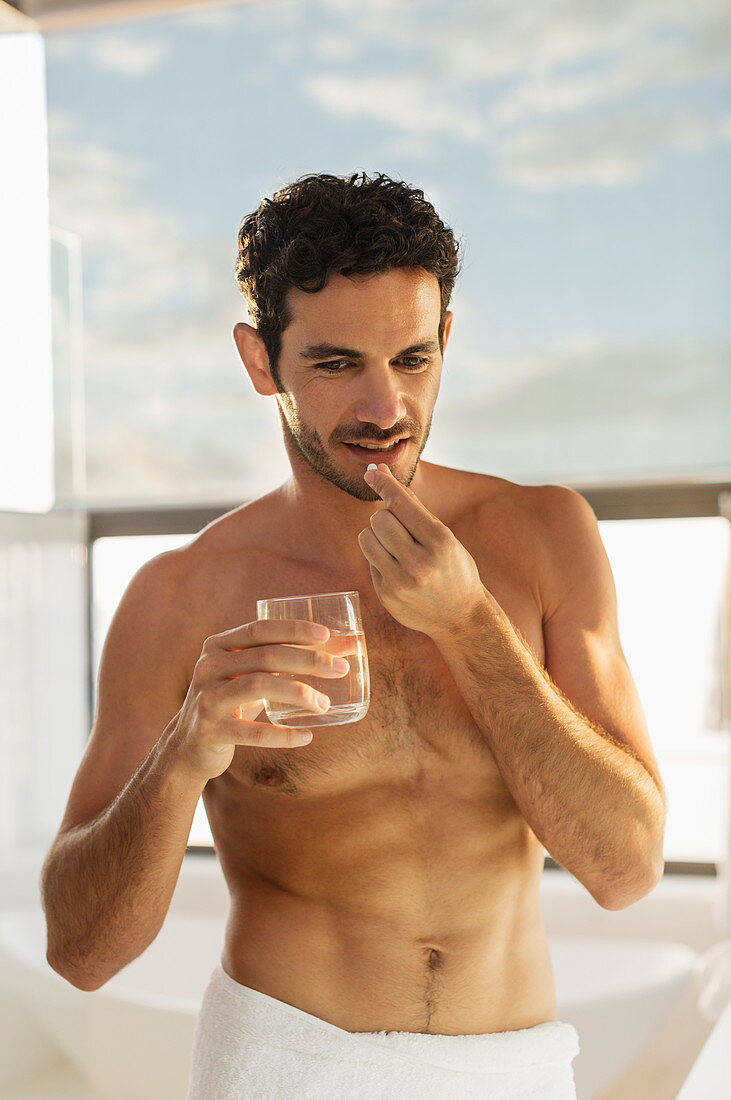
<point>304,447</point>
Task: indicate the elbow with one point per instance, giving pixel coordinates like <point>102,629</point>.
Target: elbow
<point>73,977</point>
<point>643,864</point>
<point>621,893</point>
<point>621,900</point>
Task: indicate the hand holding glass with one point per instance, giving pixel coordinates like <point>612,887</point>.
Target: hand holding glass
<point>350,695</point>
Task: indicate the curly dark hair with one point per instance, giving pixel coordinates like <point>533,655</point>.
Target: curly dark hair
<point>324,224</point>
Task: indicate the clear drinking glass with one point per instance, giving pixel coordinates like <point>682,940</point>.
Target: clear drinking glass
<point>349,695</point>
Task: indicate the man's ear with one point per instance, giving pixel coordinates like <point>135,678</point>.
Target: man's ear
<point>250,347</point>
<point>447,329</point>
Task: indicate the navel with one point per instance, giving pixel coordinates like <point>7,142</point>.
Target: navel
<point>434,958</point>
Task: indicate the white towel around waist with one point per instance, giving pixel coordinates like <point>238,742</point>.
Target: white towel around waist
<point>249,1046</point>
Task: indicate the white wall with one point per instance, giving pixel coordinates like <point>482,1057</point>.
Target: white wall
<point>44,712</point>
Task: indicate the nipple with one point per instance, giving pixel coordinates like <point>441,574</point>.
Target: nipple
<point>270,775</point>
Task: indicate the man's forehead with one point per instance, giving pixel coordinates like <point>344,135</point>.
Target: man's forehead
<point>405,307</point>
<point>353,292</point>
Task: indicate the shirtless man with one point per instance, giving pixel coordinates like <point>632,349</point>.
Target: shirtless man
<point>384,876</point>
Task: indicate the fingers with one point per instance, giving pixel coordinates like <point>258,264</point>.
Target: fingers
<point>248,690</point>
<point>269,631</point>
<point>404,504</point>
<point>264,735</point>
<point>239,668</point>
<point>277,658</point>
<point>393,536</point>
<point>376,554</point>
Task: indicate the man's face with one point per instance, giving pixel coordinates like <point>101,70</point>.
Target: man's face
<point>333,398</point>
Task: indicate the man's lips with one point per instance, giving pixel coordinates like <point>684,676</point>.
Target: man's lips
<point>378,455</point>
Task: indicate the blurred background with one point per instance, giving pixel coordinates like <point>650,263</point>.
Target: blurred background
<point>580,151</point>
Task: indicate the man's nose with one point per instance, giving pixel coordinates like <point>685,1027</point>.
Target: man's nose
<point>381,401</point>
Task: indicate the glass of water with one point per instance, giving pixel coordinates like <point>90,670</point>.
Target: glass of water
<point>349,695</point>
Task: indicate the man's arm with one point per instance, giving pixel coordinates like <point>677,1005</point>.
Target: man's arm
<point>107,881</point>
<point>571,741</point>
<point>107,884</point>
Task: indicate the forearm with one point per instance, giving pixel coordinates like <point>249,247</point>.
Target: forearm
<point>590,802</point>
<point>106,885</point>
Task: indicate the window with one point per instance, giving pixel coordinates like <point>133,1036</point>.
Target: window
<point>669,575</point>
<point>591,321</point>
<point>114,563</point>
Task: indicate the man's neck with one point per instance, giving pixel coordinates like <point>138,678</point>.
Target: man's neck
<point>320,522</point>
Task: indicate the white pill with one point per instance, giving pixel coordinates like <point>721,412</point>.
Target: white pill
<point>372,466</point>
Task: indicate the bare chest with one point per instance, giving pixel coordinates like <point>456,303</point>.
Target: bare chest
<point>418,728</point>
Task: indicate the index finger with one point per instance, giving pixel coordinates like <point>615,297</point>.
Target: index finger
<point>403,503</point>
<point>271,631</point>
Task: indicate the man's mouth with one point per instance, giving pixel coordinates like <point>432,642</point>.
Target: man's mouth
<point>379,452</point>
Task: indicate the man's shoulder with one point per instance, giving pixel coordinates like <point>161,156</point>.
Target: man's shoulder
<point>233,531</point>
<point>537,519</point>
<point>211,573</point>
<point>529,526</point>
<point>556,506</point>
<point>544,501</point>
<point>480,493</point>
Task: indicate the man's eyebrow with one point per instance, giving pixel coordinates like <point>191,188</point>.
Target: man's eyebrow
<point>327,351</point>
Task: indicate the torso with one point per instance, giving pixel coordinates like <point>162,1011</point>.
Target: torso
<point>382,877</point>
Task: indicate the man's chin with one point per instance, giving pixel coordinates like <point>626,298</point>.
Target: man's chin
<point>354,486</point>
<point>359,492</point>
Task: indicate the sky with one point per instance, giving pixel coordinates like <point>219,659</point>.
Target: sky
<point>580,151</point>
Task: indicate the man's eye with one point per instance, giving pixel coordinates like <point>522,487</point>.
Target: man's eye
<point>334,366</point>
<point>413,362</point>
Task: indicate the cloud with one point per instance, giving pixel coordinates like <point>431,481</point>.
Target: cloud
<point>167,399</point>
<point>126,56</point>
<point>585,380</point>
<point>496,40</point>
<point>634,55</point>
<point>603,152</point>
<point>557,90</point>
<point>410,103</point>
<point>143,262</point>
